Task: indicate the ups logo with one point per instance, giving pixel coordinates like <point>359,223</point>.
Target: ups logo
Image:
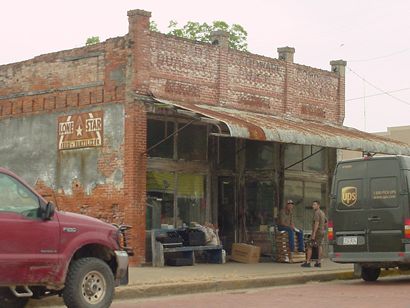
<point>349,195</point>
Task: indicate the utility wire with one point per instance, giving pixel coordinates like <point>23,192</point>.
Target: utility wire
<point>377,94</point>
<point>378,88</point>
<point>381,57</point>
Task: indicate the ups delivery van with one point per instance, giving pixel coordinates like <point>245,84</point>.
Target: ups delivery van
<point>369,215</point>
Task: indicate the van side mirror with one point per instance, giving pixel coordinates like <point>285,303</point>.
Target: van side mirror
<point>47,211</point>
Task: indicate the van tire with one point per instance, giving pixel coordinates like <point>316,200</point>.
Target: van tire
<point>370,273</point>
<point>8,300</point>
<point>90,275</point>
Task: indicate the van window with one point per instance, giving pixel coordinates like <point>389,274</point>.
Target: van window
<point>383,192</point>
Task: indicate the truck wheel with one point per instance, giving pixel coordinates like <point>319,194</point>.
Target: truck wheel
<point>370,273</point>
<point>89,283</point>
<point>8,300</point>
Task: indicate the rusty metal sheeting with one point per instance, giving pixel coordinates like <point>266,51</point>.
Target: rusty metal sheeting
<point>257,126</point>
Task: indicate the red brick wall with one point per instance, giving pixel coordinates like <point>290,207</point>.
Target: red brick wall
<point>182,70</point>
<point>64,80</point>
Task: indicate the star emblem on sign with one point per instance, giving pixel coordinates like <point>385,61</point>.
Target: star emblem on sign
<point>79,131</point>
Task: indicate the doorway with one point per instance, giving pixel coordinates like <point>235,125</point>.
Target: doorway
<point>227,211</point>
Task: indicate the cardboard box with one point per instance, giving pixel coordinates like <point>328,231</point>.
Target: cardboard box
<point>245,253</point>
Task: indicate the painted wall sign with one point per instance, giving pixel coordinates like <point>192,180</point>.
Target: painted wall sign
<point>81,130</point>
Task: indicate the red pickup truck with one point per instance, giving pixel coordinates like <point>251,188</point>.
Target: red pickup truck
<point>48,252</point>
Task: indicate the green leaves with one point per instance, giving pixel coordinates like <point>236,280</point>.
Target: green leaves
<point>92,40</point>
<point>202,32</point>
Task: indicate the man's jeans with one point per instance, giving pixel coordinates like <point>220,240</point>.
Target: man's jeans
<point>292,238</point>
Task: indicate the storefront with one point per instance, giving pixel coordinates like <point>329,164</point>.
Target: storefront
<point>200,168</point>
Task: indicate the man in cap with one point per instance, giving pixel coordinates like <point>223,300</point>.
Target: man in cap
<point>318,231</point>
<point>286,224</point>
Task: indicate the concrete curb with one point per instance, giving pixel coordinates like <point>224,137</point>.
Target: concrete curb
<point>135,291</point>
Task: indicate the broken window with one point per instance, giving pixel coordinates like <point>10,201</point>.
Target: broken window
<point>192,142</point>
<point>157,131</point>
<point>259,155</point>
<point>259,204</point>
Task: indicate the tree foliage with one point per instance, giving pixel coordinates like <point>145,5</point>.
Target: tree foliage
<point>92,40</point>
<point>202,32</point>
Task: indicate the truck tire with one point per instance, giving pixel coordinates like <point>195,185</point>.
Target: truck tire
<point>370,273</point>
<point>89,283</point>
<point>8,300</point>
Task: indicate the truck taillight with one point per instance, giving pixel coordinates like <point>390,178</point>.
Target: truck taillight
<point>407,228</point>
<point>330,235</point>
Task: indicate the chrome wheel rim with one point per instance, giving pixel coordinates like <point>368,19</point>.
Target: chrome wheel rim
<point>93,287</point>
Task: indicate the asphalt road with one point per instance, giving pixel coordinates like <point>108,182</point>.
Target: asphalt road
<point>386,292</point>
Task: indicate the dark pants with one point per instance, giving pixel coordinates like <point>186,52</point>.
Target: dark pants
<point>291,232</point>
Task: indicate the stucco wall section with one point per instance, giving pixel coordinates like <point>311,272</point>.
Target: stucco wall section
<point>29,148</point>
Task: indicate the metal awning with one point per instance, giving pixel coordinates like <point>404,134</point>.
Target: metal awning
<point>265,127</point>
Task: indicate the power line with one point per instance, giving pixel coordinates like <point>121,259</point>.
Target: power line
<point>377,94</point>
<point>382,57</point>
<point>378,88</point>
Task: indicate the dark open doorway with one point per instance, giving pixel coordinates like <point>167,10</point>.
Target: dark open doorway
<point>227,211</point>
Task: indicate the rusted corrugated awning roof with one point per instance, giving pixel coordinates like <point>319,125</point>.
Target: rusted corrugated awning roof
<point>257,126</point>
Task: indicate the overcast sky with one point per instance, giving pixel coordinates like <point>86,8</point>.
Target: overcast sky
<point>373,36</point>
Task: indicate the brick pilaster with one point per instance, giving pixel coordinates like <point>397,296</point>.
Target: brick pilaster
<point>339,67</point>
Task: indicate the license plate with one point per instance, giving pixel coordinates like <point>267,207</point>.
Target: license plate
<point>350,240</point>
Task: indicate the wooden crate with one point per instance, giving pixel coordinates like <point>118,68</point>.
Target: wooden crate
<point>283,253</point>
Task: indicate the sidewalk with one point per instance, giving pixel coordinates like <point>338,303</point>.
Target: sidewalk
<point>150,281</point>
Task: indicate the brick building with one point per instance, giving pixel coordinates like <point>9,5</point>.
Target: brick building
<point>151,129</point>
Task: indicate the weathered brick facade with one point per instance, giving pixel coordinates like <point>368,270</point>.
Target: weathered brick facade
<point>112,76</point>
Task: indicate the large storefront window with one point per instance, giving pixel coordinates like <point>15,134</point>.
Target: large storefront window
<point>174,204</point>
<point>157,131</point>
<point>259,204</point>
<point>227,153</point>
<point>303,194</point>
<point>259,155</point>
<point>192,142</point>
<point>304,157</point>
<point>191,199</point>
<point>160,199</point>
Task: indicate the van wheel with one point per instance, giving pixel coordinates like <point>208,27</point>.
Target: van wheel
<point>8,300</point>
<point>370,273</point>
<point>89,283</point>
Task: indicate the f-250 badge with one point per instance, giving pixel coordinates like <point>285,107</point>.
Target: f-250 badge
<point>349,195</point>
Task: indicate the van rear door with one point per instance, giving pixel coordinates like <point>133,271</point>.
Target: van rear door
<point>384,213</point>
<point>367,214</point>
<point>349,207</point>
